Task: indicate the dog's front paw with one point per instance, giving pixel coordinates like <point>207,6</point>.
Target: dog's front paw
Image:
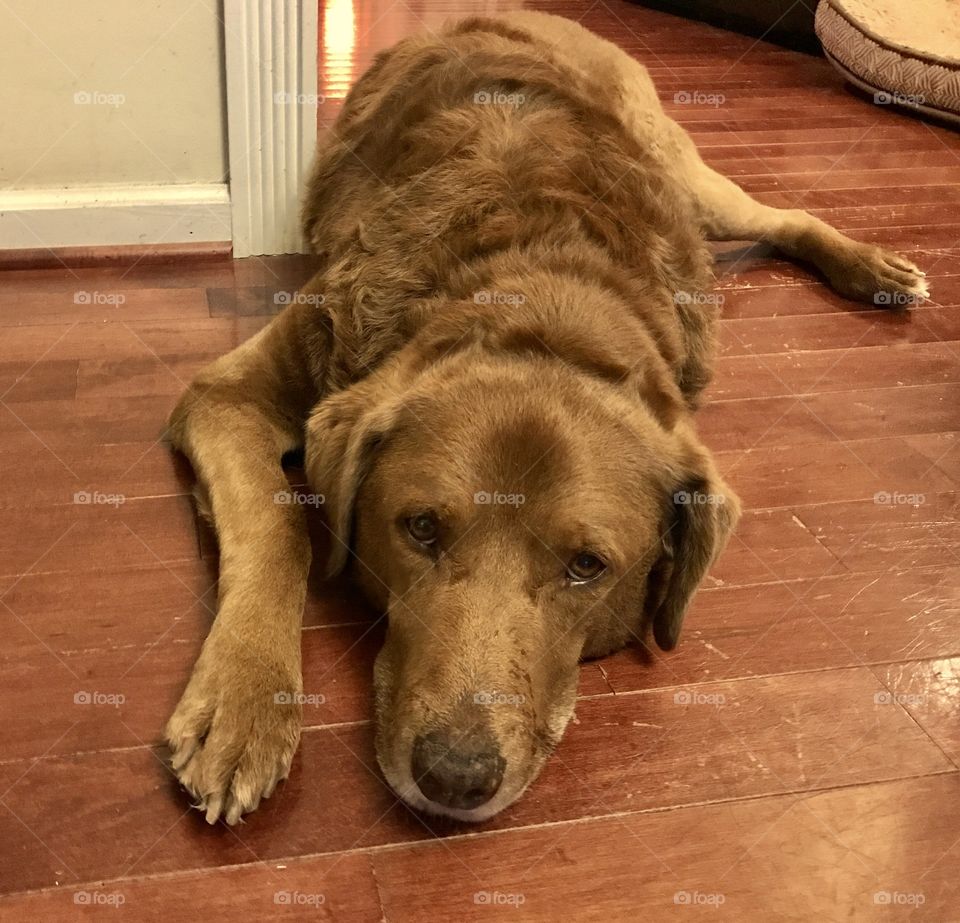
<point>234,732</point>
<point>870,273</point>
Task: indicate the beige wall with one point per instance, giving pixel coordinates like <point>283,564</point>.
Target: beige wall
<point>153,74</point>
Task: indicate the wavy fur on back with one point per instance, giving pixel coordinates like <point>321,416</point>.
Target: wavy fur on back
<point>463,164</point>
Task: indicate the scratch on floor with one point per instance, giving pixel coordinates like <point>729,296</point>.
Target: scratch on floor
<point>858,593</point>
<point>715,650</point>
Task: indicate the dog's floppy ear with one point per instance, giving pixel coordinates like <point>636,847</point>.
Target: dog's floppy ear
<point>701,514</point>
<point>343,435</point>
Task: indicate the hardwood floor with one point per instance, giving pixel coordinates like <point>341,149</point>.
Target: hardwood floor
<point>797,758</point>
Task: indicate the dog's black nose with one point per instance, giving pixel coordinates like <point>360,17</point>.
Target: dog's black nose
<point>460,771</point>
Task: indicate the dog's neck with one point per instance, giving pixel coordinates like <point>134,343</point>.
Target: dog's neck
<point>569,309</point>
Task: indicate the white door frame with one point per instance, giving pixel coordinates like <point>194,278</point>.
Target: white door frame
<point>271,79</point>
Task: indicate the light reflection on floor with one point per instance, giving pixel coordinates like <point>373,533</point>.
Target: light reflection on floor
<point>353,31</point>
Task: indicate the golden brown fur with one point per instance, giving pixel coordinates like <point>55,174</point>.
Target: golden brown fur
<point>512,264</point>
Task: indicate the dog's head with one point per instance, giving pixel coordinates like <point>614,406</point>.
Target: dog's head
<point>511,515</point>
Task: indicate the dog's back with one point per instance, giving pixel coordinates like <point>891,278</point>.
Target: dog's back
<point>477,155</point>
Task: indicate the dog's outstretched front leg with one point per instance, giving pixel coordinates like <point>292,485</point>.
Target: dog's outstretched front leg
<point>235,730</point>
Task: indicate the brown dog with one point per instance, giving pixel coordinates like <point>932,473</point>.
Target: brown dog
<point>494,396</point>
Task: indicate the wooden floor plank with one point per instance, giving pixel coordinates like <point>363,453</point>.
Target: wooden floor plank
<point>102,527</point>
<point>830,621</point>
<point>839,415</point>
<point>838,331</point>
<point>824,857</point>
<point>826,371</point>
<point>894,528</point>
<point>773,477</point>
<point>746,295</point>
<point>334,888</point>
<point>97,305</point>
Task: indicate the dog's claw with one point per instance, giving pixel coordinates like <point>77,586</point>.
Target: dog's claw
<point>233,812</point>
<point>214,803</point>
<point>184,753</point>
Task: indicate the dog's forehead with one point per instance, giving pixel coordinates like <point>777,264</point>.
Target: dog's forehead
<point>536,439</point>
<point>520,444</point>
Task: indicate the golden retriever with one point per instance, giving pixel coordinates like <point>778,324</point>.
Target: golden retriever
<point>494,396</point>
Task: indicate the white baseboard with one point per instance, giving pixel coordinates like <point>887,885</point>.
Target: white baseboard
<point>114,216</point>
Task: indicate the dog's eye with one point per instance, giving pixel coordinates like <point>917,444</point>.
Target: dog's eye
<point>585,566</point>
<point>423,528</point>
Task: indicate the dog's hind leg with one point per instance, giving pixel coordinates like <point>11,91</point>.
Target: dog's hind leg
<point>726,212</point>
<point>237,725</point>
<point>856,270</point>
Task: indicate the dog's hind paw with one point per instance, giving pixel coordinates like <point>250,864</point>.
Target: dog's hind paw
<point>869,273</point>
